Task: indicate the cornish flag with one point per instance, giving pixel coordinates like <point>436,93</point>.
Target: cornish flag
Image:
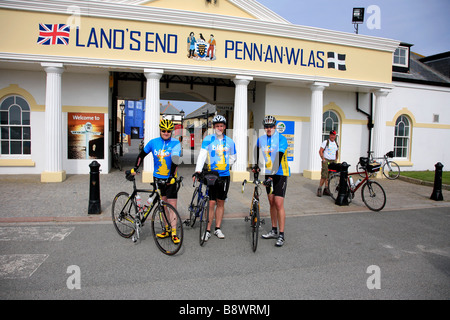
<point>50,34</point>
<point>336,61</point>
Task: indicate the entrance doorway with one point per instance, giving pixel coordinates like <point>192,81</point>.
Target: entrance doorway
<point>181,98</point>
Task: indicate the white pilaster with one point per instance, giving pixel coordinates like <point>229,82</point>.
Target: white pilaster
<point>379,129</point>
<point>53,171</point>
<point>240,138</point>
<point>315,130</point>
<point>152,111</point>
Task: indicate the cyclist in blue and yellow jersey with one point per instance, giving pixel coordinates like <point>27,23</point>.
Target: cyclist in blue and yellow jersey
<point>273,147</point>
<point>166,158</point>
<point>219,153</point>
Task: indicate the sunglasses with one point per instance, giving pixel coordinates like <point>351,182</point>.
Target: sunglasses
<point>166,131</point>
<point>269,127</point>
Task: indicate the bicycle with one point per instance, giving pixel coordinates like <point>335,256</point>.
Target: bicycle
<point>196,204</point>
<point>254,216</point>
<point>128,219</point>
<point>390,169</point>
<point>372,193</point>
<point>115,154</point>
<point>207,178</point>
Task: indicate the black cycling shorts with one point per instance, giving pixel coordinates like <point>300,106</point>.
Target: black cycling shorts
<point>167,190</point>
<point>279,185</point>
<point>220,189</point>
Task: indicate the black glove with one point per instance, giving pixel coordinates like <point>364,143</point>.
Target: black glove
<point>268,182</point>
<point>255,168</point>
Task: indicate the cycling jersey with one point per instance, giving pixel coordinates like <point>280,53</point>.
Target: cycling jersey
<point>270,147</point>
<point>220,154</point>
<point>162,151</point>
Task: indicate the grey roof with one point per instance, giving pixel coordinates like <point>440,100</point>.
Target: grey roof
<point>419,72</point>
<point>168,109</point>
<point>200,111</point>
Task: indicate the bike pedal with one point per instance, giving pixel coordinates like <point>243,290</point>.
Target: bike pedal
<point>262,221</point>
<point>134,239</point>
<point>246,219</point>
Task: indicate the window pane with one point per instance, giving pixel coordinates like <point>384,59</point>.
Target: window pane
<point>4,117</point>
<point>5,132</point>
<point>27,147</point>
<point>26,133</point>
<point>16,133</point>
<point>15,115</point>
<point>16,147</point>
<point>22,103</point>
<point>26,118</point>
<point>5,147</point>
<point>7,103</point>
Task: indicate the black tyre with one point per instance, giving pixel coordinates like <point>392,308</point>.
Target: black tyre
<point>204,219</point>
<point>333,185</point>
<point>391,170</point>
<point>255,222</point>
<point>124,212</point>
<point>167,229</point>
<point>373,195</point>
<point>193,208</point>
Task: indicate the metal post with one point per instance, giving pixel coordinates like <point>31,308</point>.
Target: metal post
<point>437,189</point>
<point>94,188</point>
<point>342,198</point>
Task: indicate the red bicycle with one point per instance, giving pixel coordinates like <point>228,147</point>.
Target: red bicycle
<point>372,193</point>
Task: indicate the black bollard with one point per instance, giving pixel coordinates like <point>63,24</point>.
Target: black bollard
<point>437,189</point>
<point>94,189</point>
<point>342,198</point>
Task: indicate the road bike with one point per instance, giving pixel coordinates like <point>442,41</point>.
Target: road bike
<point>390,169</point>
<point>128,219</point>
<point>209,179</point>
<point>254,215</point>
<point>115,155</point>
<point>196,205</point>
<point>372,193</point>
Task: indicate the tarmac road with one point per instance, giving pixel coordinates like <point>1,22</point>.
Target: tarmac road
<point>406,253</point>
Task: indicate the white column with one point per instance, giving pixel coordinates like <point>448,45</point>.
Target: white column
<point>152,111</point>
<point>53,171</point>
<point>240,138</point>
<point>315,131</point>
<point>379,129</point>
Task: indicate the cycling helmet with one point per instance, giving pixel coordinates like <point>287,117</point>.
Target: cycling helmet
<point>166,124</point>
<point>269,121</point>
<point>219,119</point>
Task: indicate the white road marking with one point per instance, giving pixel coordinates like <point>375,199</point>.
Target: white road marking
<point>40,233</point>
<point>20,266</point>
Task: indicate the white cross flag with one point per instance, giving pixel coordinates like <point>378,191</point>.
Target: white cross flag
<point>336,61</point>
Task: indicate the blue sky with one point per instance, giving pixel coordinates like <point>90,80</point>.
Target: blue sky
<point>425,24</point>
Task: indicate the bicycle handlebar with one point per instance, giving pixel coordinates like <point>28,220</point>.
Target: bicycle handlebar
<point>257,182</point>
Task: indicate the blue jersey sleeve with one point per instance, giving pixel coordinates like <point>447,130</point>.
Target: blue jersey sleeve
<point>148,147</point>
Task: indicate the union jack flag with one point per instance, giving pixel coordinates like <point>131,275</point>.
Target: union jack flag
<point>50,34</point>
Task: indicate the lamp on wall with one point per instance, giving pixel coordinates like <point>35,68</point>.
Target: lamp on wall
<point>357,17</point>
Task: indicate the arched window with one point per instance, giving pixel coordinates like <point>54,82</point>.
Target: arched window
<point>402,137</point>
<point>330,122</point>
<point>15,126</point>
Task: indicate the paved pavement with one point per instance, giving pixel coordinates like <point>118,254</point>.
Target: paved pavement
<point>25,199</point>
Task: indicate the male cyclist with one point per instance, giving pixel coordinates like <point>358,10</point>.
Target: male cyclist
<point>166,158</point>
<point>273,146</point>
<point>219,152</point>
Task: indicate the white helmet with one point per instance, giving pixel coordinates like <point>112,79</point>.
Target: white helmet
<point>219,119</point>
<point>269,121</point>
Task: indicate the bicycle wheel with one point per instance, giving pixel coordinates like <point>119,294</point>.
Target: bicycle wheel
<point>373,195</point>
<point>360,170</point>
<point>391,170</point>
<point>204,219</point>
<point>193,208</point>
<point>124,214</point>
<point>254,223</point>
<point>167,229</point>
<point>333,185</point>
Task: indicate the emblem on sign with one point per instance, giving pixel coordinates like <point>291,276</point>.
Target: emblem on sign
<point>201,49</point>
